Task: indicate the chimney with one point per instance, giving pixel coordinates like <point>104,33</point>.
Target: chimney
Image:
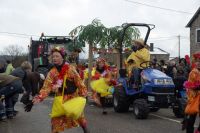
<point>151,46</point>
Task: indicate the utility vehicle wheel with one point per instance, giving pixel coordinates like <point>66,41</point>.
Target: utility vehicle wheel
<point>179,108</point>
<point>121,101</point>
<point>140,109</point>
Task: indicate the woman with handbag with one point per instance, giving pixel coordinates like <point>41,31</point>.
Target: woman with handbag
<point>64,80</point>
<point>193,94</point>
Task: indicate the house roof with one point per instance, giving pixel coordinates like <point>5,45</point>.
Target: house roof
<point>193,18</point>
<point>157,50</point>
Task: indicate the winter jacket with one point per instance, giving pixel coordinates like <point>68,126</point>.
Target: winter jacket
<point>19,72</point>
<point>9,69</point>
<point>139,57</point>
<point>7,79</point>
<point>31,83</point>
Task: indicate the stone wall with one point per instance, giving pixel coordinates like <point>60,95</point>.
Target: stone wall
<point>194,46</point>
<point>160,57</point>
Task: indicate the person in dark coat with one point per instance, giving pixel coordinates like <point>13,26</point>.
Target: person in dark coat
<point>179,81</point>
<point>171,70</point>
<point>21,72</point>
<point>9,86</point>
<point>31,85</point>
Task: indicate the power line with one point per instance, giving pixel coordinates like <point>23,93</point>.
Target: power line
<point>162,37</point>
<point>20,34</point>
<point>16,36</point>
<point>167,38</point>
<point>185,36</point>
<point>162,8</point>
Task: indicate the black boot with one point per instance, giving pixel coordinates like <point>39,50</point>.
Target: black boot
<point>2,115</point>
<point>3,118</point>
<point>15,112</point>
<point>9,113</point>
<point>184,123</point>
<point>190,123</point>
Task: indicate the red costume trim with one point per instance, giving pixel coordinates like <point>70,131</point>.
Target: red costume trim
<point>192,85</point>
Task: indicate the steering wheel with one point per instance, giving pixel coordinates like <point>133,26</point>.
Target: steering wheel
<point>148,64</point>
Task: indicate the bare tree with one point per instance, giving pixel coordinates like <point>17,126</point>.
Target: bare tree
<point>15,53</point>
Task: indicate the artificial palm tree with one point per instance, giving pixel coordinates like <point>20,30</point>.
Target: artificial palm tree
<point>114,36</point>
<point>97,34</point>
<point>90,34</point>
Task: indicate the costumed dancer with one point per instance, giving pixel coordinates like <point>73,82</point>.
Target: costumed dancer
<point>62,73</point>
<point>193,95</point>
<point>102,83</point>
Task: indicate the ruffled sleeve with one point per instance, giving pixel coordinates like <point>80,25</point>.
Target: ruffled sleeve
<point>48,84</point>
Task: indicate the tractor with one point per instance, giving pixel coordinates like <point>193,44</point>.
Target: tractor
<point>156,90</point>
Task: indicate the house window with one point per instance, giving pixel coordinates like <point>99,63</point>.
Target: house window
<point>198,36</point>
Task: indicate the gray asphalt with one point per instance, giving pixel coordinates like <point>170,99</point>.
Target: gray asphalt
<point>38,121</point>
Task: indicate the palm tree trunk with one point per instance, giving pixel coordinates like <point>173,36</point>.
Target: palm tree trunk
<point>118,61</point>
<point>90,66</point>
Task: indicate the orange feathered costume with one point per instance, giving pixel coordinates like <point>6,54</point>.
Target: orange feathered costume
<point>193,89</point>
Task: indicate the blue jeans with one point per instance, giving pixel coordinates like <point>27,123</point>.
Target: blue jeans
<point>15,99</point>
<point>2,110</point>
<point>12,88</point>
<point>9,106</point>
<point>11,93</point>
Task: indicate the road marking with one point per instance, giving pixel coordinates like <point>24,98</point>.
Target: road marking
<point>165,118</point>
<point>169,119</point>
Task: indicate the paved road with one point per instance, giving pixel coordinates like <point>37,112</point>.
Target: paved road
<point>38,121</point>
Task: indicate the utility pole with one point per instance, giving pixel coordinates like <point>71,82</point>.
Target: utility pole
<point>179,47</point>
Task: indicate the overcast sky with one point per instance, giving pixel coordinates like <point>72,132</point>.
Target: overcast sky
<point>59,17</point>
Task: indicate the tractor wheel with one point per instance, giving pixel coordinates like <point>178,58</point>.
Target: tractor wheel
<point>140,109</point>
<point>154,109</point>
<point>121,101</point>
<point>179,109</point>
